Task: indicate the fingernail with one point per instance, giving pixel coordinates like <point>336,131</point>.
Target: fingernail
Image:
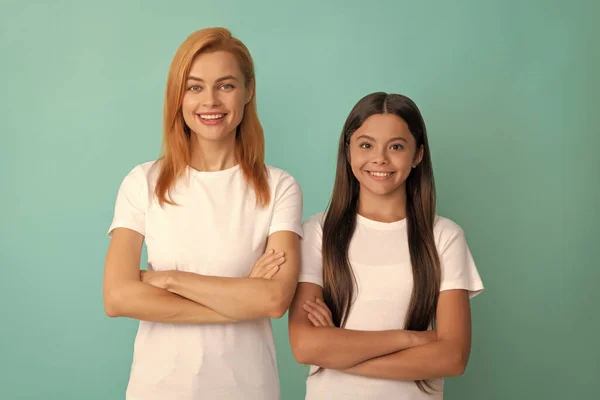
<point>280,253</point>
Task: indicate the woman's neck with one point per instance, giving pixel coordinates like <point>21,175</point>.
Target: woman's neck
<point>208,155</point>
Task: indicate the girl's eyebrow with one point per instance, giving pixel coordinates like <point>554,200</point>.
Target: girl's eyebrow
<point>373,139</point>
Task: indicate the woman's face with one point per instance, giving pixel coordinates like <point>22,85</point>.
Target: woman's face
<point>215,96</point>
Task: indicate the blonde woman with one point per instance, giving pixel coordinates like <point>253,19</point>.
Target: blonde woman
<point>222,234</point>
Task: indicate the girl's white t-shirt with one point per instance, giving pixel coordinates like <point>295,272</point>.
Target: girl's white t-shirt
<point>215,229</point>
<point>380,260</point>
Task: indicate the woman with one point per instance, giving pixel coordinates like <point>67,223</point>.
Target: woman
<point>380,269</point>
<point>207,210</point>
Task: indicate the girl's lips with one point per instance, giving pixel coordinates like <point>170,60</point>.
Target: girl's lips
<point>380,176</point>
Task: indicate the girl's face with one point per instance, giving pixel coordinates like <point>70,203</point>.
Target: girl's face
<point>215,96</point>
<point>382,152</point>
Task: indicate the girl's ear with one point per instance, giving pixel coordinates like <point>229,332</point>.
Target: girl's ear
<point>418,157</point>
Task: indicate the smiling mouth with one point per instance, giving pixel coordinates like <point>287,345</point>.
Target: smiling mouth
<point>211,117</point>
<point>380,174</point>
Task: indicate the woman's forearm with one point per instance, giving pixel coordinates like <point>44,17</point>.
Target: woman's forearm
<point>237,298</point>
<point>139,300</point>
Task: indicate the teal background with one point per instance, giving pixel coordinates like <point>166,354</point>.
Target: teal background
<point>510,93</point>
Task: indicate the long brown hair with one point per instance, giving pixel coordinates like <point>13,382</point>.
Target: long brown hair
<point>250,145</point>
<point>340,220</point>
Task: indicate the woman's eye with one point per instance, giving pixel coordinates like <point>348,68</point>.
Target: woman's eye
<point>194,88</point>
<point>397,147</point>
<point>365,146</point>
<point>227,86</point>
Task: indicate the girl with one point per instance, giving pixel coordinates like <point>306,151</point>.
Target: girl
<point>207,210</point>
<point>380,269</point>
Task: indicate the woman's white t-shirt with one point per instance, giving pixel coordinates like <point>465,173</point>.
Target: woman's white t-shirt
<point>216,229</point>
<point>380,260</point>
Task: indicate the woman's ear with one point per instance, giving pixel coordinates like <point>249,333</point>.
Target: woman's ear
<point>249,91</point>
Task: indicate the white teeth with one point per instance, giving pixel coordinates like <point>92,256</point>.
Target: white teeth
<point>380,174</point>
<point>212,116</point>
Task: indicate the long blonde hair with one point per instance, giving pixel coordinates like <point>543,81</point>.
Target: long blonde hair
<point>249,141</point>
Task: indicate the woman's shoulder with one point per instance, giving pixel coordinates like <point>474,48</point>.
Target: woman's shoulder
<point>146,173</point>
<point>277,174</point>
<point>282,182</point>
<point>146,168</point>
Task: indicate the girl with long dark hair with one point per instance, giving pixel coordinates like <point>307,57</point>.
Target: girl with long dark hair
<point>382,309</point>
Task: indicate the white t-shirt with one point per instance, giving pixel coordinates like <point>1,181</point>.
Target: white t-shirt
<point>380,259</point>
<point>216,229</point>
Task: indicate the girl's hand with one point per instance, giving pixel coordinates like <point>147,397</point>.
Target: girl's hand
<point>318,313</point>
<point>420,338</point>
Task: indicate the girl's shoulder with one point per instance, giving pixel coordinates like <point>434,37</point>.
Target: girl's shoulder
<point>443,224</point>
<point>315,220</point>
<point>313,225</point>
<point>446,231</point>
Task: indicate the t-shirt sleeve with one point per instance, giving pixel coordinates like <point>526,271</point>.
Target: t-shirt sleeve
<point>131,203</point>
<point>311,266</point>
<point>287,208</point>
<point>458,267</point>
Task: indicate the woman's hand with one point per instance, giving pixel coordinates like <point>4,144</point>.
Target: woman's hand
<point>267,265</point>
<point>159,279</point>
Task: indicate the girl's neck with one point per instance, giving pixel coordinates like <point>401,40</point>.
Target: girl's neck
<point>383,208</point>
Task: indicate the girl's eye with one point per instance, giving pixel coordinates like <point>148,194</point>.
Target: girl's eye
<point>194,88</point>
<point>365,146</point>
<point>397,147</point>
<point>227,87</point>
